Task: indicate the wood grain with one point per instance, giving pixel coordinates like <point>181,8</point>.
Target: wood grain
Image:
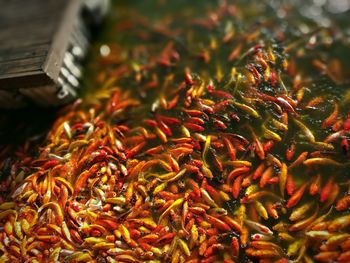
<point>34,34</point>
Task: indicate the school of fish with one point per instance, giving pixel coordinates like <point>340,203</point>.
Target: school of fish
<point>205,139</point>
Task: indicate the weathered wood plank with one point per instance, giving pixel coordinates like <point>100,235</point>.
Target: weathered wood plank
<point>35,37</point>
<point>34,34</point>
<point>23,11</point>
<point>23,52</point>
<point>21,65</point>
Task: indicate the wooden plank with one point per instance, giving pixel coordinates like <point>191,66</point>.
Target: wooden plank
<point>34,34</point>
<point>14,12</point>
<point>21,65</point>
<point>23,52</point>
<point>61,39</point>
<point>35,37</point>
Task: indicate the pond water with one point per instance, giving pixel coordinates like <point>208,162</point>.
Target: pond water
<point>207,131</point>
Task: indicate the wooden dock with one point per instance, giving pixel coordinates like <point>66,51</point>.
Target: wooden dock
<point>34,36</point>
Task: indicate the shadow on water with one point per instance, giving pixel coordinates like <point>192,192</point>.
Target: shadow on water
<point>18,126</point>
